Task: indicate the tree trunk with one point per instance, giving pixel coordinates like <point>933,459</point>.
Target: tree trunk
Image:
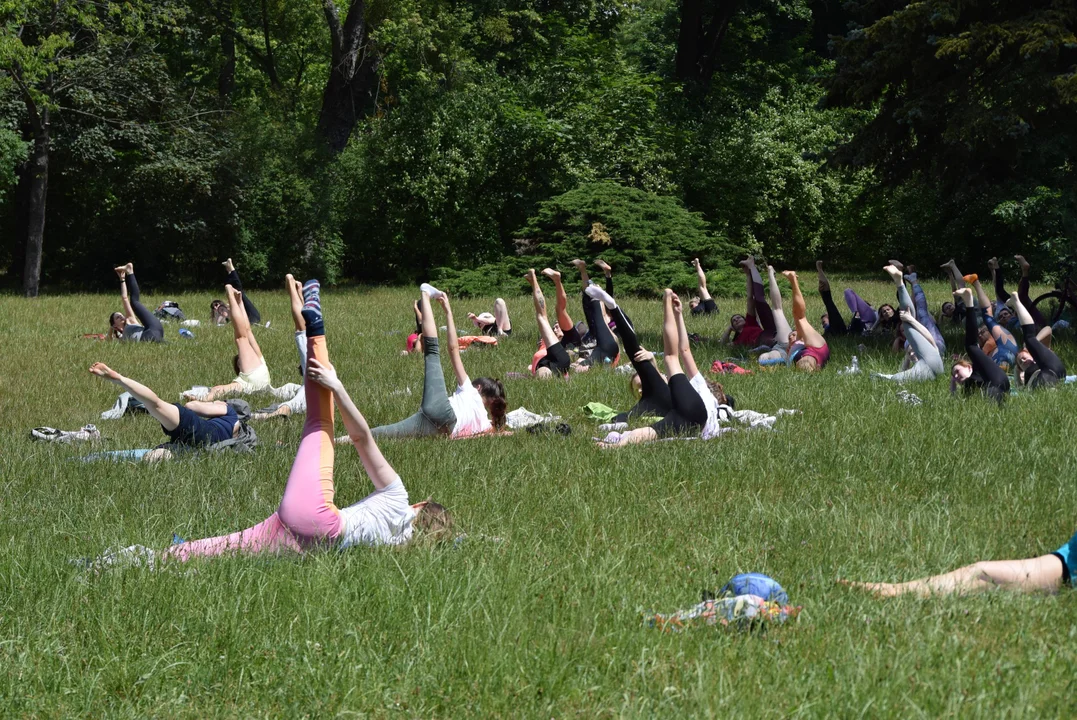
<point>226,79</point>
<point>353,76</point>
<point>39,185</point>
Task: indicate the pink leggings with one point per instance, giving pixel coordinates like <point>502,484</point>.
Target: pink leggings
<point>307,516</point>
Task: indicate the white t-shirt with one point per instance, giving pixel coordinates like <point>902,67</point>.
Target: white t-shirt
<point>471,417</point>
<point>714,413</point>
<point>383,517</point>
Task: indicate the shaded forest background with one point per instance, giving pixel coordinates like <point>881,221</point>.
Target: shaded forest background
<point>391,140</point>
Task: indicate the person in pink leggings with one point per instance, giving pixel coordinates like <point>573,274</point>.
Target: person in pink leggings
<point>307,516</point>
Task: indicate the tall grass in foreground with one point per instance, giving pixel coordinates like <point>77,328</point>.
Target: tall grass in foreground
<point>545,623</point>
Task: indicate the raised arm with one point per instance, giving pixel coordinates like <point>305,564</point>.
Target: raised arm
<point>454,343</point>
<point>377,467</point>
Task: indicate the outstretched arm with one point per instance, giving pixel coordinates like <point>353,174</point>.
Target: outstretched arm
<point>377,467</point>
<point>216,391</point>
<point>454,343</point>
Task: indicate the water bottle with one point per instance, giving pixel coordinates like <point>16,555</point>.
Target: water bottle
<point>856,364</point>
<point>184,332</point>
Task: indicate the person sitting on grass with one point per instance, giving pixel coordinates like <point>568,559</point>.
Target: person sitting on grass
<point>979,372</point>
<point>477,407</point>
<point>695,409</point>
<point>252,372</point>
<point>702,304</point>
<point>136,322</point>
<point>308,517</point>
<point>1044,573</point>
<point>196,424</point>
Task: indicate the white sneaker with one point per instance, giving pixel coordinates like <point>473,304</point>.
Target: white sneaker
<point>430,290</point>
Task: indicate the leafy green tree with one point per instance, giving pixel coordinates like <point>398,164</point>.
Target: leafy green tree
<point>648,238</point>
<point>974,106</point>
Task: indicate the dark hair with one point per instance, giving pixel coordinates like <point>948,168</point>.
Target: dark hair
<point>718,391</point>
<point>434,520</point>
<point>494,392</point>
<point>235,363</point>
<point>894,319</point>
<point>112,329</point>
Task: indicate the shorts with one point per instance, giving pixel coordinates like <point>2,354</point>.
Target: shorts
<point>254,381</point>
<point>1064,553</point>
<point>556,359</point>
<point>492,330</point>
<point>193,429</point>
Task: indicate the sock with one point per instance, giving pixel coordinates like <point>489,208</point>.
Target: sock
<point>911,277</point>
<point>595,292</point>
<point>312,308</point>
<point>430,290</point>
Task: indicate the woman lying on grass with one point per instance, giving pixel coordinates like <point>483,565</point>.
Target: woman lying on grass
<point>1045,573</point>
<point>196,424</point>
<point>252,372</point>
<point>923,348</point>
<point>807,349</point>
<point>756,326</point>
<point>307,516</point>
<point>476,407</point>
<point>136,322</point>
<point>1037,364</point>
<point>694,408</point>
<point>979,372</point>
<point>552,359</point>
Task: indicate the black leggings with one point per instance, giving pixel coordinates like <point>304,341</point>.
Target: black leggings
<point>1052,369</point>
<point>252,312</point>
<point>600,331</point>
<point>1000,287</point>
<point>765,316</point>
<point>689,412</point>
<point>707,307</point>
<point>986,371</point>
<point>556,359</point>
<point>152,330</point>
<point>837,322</point>
<point>655,399</point>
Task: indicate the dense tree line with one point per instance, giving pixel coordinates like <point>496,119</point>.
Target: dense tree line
<point>384,140</point>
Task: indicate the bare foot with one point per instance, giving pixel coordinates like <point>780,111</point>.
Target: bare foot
<point>552,274</point>
<point>667,293</point>
<point>695,263</point>
<point>289,280</point>
<point>1023,263</point>
<point>894,272</point>
<point>228,265</point>
<point>121,271</point>
<point>102,370</point>
<point>234,293</point>
<point>965,296</point>
<point>748,262</point>
<point>580,264</point>
<point>993,263</point>
<point>897,264</point>
<point>530,275</point>
<point>877,589</point>
<point>603,266</point>
<point>790,275</point>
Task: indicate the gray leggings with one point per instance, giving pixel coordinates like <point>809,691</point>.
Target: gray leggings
<point>435,416</point>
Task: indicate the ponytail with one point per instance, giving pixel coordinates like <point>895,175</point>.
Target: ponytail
<point>493,393</point>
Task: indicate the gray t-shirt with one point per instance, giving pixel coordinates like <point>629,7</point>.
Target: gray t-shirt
<point>133,332</point>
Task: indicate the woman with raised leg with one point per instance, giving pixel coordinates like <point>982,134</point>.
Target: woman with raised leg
<point>928,361</point>
<point>1037,364</point>
<point>703,304</point>
<point>252,372</point>
<point>979,372</point>
<point>136,322</point>
<point>551,359</point>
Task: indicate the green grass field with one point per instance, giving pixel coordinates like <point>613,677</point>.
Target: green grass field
<point>547,622</point>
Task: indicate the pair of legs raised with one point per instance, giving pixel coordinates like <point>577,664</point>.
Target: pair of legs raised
<point>688,412</point>
<point>1049,369</point>
<point>606,348</point>
<point>233,279</point>
<point>497,326</point>
<point>928,360</point>
<point>552,359</point>
<point>435,415</point>
<point>756,303</point>
<point>705,304</point>
<point>984,369</point>
<point>307,516</point>
<point>133,309</point>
